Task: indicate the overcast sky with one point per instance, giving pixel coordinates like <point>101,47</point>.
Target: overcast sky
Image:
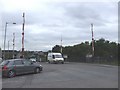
<point>46,21</point>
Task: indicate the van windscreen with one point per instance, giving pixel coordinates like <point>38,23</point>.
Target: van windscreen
<point>58,56</point>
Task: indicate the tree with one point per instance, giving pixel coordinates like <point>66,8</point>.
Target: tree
<point>56,49</point>
<point>103,48</point>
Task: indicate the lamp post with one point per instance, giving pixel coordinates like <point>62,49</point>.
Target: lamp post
<point>5,36</point>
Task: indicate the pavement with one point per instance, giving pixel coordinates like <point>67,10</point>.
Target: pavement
<point>68,75</point>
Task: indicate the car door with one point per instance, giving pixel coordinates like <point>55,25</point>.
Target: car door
<point>19,67</point>
<point>29,67</point>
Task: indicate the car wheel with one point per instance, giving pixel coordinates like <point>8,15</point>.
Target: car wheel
<point>49,62</point>
<point>62,62</point>
<point>11,74</point>
<point>37,70</point>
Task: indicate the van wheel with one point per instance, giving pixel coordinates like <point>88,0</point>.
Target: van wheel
<point>11,74</point>
<point>62,62</point>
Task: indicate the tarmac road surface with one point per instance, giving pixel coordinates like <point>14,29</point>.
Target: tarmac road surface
<point>68,75</point>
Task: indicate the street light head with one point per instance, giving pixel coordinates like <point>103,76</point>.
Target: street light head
<point>14,23</point>
<point>10,23</point>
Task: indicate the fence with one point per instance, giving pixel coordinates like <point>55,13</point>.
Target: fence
<point>98,60</point>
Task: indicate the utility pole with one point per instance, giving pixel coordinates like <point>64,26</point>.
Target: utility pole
<point>8,49</point>
<point>61,45</point>
<point>92,39</point>
<point>0,52</point>
<point>23,35</point>
<point>13,44</point>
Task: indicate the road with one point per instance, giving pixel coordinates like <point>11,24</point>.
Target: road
<point>68,75</point>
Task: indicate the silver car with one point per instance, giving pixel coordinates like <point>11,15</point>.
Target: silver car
<point>13,67</point>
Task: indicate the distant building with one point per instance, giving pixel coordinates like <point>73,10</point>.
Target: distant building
<point>40,53</point>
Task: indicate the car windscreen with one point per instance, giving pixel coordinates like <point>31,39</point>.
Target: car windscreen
<point>4,63</point>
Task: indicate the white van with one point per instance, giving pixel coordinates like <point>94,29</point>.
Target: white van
<point>33,59</point>
<point>55,58</point>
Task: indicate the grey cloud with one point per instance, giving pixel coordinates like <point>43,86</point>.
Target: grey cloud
<point>43,28</point>
<point>82,14</point>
